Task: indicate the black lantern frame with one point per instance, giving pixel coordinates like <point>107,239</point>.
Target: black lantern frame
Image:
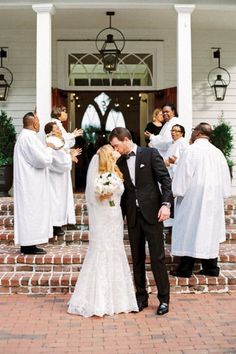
<point>219,78</point>
<point>6,76</point>
<point>111,47</point>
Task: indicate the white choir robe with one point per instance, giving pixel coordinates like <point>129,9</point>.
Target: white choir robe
<point>114,119</point>
<point>201,182</point>
<point>32,207</point>
<point>163,140</point>
<point>69,143</point>
<point>68,137</point>
<point>175,149</point>
<point>61,187</point>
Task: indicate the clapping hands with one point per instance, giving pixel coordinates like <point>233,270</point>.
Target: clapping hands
<point>78,132</point>
<point>147,134</point>
<point>74,153</point>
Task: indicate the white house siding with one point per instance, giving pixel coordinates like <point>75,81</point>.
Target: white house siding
<point>21,61</point>
<point>205,108</point>
<point>22,57</point>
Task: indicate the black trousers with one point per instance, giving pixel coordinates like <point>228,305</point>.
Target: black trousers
<point>138,234</point>
<point>186,265</point>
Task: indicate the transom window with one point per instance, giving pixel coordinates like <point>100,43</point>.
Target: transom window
<point>132,70</point>
<point>80,67</point>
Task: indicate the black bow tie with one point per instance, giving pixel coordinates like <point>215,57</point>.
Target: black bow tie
<point>132,153</point>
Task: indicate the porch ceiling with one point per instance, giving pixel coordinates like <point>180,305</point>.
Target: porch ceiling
<point>150,19</point>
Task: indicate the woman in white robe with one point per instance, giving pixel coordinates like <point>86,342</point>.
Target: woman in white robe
<point>59,115</point>
<point>32,209</point>
<point>201,182</point>
<point>172,156</point>
<point>58,172</point>
<point>175,150</point>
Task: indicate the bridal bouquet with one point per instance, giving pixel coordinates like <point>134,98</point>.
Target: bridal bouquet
<point>105,185</point>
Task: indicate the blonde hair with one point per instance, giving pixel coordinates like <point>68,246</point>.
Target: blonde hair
<point>107,161</point>
<point>155,113</point>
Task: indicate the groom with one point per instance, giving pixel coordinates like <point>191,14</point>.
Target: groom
<point>146,206</point>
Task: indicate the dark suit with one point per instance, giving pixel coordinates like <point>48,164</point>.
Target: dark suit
<point>142,220</point>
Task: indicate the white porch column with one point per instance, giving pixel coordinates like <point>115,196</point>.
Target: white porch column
<point>43,62</point>
<point>184,66</point>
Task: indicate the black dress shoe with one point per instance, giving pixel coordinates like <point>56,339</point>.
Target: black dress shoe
<point>179,274</point>
<point>210,272</point>
<point>32,250</point>
<point>162,309</point>
<point>142,304</point>
<point>58,231</point>
<point>38,250</point>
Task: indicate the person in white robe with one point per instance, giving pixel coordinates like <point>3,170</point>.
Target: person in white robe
<point>91,118</point>
<point>59,173</point>
<point>59,115</point>
<point>200,183</point>
<point>32,208</point>
<point>163,140</point>
<point>175,150</point>
<point>171,158</point>
<point>114,119</point>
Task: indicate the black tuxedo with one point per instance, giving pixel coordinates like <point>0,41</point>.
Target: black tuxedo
<point>140,204</point>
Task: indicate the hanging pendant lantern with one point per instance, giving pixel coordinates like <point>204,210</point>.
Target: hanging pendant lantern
<point>219,78</point>
<point>112,46</point>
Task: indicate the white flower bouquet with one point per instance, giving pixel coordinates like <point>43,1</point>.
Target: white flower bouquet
<point>105,185</point>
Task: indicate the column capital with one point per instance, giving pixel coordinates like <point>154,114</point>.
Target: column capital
<point>184,9</point>
<point>45,8</point>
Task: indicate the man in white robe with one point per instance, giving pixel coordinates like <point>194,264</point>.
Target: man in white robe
<point>59,173</point>
<point>201,182</point>
<point>32,208</point>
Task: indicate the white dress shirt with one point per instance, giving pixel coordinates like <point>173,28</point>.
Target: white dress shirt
<point>131,164</point>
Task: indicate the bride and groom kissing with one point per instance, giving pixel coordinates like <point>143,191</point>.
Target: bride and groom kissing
<point>139,186</point>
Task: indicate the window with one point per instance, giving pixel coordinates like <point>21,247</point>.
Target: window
<point>140,66</point>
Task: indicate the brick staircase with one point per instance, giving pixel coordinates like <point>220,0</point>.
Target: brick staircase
<point>57,271</point>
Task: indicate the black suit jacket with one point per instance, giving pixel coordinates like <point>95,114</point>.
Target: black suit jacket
<point>150,171</point>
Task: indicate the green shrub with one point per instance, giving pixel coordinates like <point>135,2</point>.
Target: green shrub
<point>7,139</point>
<point>222,137</point>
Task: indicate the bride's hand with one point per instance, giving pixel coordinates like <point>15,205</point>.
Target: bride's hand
<point>105,196</point>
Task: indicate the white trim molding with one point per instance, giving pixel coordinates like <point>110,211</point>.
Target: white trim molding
<point>184,65</point>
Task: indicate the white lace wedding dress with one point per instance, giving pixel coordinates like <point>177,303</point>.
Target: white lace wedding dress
<point>104,286</point>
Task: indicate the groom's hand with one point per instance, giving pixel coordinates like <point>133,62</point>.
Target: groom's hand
<point>164,213</point>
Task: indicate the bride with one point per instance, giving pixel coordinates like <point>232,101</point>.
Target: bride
<point>105,284</point>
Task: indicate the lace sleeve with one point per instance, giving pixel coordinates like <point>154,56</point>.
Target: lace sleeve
<point>90,181</point>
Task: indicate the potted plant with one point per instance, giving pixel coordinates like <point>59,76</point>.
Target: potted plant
<point>7,142</point>
<point>222,137</point>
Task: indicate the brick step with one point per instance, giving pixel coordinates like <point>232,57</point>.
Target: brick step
<point>77,236</point>
<point>7,222</point>
<point>7,207</point>
<point>68,257</point>
<point>82,235</point>
<point>62,282</point>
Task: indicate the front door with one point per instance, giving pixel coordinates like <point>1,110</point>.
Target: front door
<point>98,113</point>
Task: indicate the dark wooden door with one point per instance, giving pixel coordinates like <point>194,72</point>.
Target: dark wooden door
<point>164,96</point>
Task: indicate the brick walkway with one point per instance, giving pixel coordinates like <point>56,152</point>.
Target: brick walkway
<point>197,323</point>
